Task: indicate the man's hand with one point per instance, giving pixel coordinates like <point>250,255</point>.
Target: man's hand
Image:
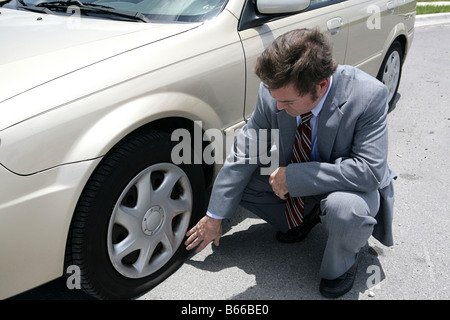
<point>278,182</point>
<point>205,231</point>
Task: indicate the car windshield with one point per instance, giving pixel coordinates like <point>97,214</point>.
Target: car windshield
<point>142,10</point>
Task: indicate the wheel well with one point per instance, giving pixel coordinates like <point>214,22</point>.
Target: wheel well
<point>172,123</point>
<point>402,40</point>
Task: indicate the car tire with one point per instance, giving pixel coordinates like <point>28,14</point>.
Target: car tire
<point>391,70</point>
<point>130,222</point>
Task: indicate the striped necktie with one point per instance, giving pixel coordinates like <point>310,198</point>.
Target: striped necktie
<point>301,153</point>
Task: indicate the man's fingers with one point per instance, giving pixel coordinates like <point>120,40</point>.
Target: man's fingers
<point>201,246</point>
<point>204,243</point>
<point>190,232</point>
<point>198,242</point>
<point>194,239</point>
<point>189,244</point>
<point>203,233</point>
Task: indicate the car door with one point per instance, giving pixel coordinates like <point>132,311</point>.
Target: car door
<point>328,15</point>
<point>371,22</point>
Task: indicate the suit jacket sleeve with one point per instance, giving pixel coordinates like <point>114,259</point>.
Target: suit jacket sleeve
<point>242,162</point>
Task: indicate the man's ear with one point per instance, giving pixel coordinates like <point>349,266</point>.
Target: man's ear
<point>322,86</point>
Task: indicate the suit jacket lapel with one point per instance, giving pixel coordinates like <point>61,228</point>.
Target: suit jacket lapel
<point>330,117</point>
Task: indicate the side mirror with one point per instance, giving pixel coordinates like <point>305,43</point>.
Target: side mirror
<point>281,6</point>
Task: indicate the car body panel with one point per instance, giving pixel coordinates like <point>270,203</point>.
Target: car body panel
<point>96,109</point>
<point>40,61</point>
<point>386,20</point>
<point>33,230</point>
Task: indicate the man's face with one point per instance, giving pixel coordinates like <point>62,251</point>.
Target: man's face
<point>289,99</point>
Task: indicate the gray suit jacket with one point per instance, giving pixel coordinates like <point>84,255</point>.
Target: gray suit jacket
<point>352,142</point>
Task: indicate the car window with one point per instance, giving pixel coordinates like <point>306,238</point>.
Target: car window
<point>314,2</point>
<point>321,3</point>
<point>165,10</point>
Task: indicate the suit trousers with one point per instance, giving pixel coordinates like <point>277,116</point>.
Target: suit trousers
<point>348,218</point>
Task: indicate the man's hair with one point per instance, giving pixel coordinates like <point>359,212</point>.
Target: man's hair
<point>302,57</point>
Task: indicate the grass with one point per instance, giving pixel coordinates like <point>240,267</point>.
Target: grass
<point>428,9</point>
<point>432,9</point>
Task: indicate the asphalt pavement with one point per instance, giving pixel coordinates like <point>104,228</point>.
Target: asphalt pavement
<point>250,264</point>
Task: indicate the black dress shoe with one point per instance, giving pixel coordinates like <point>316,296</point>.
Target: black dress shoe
<point>299,233</point>
<point>341,285</point>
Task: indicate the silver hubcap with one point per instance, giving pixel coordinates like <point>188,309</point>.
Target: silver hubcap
<point>150,220</point>
<point>391,73</point>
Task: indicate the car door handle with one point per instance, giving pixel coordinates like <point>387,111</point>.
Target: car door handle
<point>334,25</point>
<point>391,7</point>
